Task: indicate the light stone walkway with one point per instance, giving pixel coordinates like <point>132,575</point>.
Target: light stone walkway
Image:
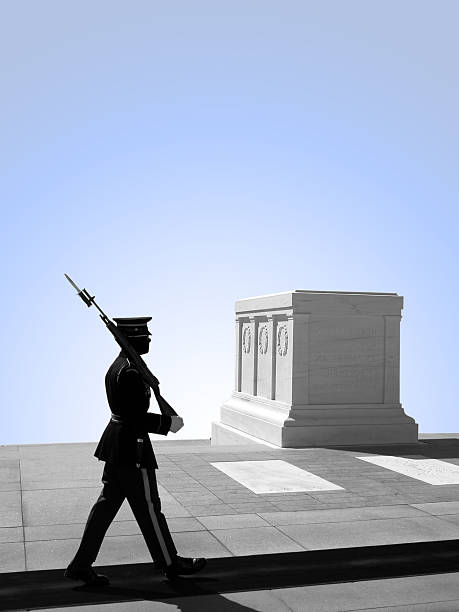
<point>46,492</point>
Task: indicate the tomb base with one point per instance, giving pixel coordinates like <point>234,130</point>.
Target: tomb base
<point>224,435</point>
<point>249,419</point>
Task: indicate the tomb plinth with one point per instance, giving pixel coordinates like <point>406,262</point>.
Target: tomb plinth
<point>317,368</point>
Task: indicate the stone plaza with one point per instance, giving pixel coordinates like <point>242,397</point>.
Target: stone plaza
<point>366,541</point>
<point>315,493</point>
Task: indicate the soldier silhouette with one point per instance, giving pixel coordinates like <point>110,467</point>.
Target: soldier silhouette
<point>130,467</point>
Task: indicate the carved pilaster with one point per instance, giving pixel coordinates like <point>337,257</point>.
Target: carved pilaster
<point>248,355</point>
<point>283,347</point>
<point>237,382</point>
<point>272,325</point>
<point>254,322</point>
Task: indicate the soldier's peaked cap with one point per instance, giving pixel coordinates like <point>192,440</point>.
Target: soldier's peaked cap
<point>133,326</point>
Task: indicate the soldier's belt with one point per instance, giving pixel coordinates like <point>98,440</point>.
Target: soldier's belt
<point>116,419</point>
<point>128,422</point>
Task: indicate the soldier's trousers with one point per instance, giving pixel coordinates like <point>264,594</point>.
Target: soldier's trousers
<point>140,489</point>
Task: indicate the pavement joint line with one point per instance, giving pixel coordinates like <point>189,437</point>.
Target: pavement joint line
<point>60,488</point>
<point>290,538</point>
<point>108,535</point>
<point>22,514</point>
<point>409,606</point>
<point>283,603</point>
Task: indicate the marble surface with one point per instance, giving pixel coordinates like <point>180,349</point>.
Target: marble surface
<point>432,471</point>
<point>316,368</point>
<point>274,476</point>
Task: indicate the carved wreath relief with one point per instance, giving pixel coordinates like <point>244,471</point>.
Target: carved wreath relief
<point>246,340</point>
<point>282,340</point>
<point>263,340</point>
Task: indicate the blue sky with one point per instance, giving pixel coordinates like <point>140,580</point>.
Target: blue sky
<point>173,157</point>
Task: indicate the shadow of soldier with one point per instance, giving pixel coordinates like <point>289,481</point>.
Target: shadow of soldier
<point>132,588</point>
<point>228,584</point>
<point>222,603</point>
<point>179,596</point>
<point>202,603</point>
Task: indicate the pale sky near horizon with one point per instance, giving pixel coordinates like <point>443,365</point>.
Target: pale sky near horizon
<point>173,157</point>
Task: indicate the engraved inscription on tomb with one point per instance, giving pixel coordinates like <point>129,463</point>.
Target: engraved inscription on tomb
<point>326,358</point>
<point>345,331</point>
<point>350,372</point>
<point>346,360</point>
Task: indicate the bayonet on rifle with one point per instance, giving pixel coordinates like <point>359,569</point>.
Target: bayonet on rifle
<point>127,348</point>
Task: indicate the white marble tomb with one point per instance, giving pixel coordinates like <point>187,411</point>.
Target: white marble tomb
<point>317,368</point>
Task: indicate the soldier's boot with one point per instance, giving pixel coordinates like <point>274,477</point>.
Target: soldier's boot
<point>87,575</point>
<point>183,566</point>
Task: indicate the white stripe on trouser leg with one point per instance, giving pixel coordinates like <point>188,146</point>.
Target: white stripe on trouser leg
<point>154,519</point>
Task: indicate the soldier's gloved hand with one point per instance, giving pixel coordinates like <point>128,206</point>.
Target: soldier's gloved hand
<point>177,423</point>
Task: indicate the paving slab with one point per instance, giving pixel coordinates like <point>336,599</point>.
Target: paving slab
<point>438,508</point>
<point>10,509</point>
<point>36,533</point>
<point>9,451</point>
<point>11,534</point>
<point>10,486</point>
<point>209,510</point>
<point>170,505</point>
<point>256,540</point>
<point>9,471</point>
<point>232,521</point>
<point>451,518</point>
<point>370,533</point>
<point>75,483</point>
<point>59,466</point>
<point>57,554</point>
<point>438,606</point>
<point>196,497</point>
<point>389,594</point>
<point>340,515</point>
<point>12,556</point>
<point>200,544</point>
<point>51,506</point>
<point>118,527</point>
<point>242,508</point>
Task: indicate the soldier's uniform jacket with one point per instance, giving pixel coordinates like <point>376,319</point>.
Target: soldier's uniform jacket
<point>125,440</point>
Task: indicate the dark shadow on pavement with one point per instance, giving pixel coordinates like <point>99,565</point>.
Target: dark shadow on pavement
<point>139,582</point>
<point>434,448</point>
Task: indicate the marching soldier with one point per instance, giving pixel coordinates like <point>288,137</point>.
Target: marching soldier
<point>130,467</point>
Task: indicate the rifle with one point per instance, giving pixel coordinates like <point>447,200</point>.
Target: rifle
<point>128,350</point>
